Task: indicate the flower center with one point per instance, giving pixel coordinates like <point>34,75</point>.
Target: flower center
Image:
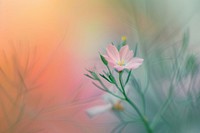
<point>121,62</point>
<point>118,106</point>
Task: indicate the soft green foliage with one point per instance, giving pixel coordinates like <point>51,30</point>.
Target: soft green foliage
<point>191,65</point>
<point>166,90</point>
<point>186,38</point>
<point>166,102</point>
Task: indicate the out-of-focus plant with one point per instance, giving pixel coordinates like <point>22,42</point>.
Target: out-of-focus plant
<point>17,92</point>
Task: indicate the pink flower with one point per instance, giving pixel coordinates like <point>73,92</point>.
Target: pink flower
<point>122,59</point>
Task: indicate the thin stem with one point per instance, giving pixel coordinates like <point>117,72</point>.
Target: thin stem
<point>115,80</point>
<point>127,79</point>
<point>108,69</point>
<point>144,120</point>
<point>163,109</point>
<point>140,92</point>
<point>121,82</point>
<point>107,90</point>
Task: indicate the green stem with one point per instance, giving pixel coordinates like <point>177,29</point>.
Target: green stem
<point>114,79</point>
<point>121,83</point>
<point>143,118</point>
<point>127,79</point>
<point>107,90</point>
<point>163,108</point>
<point>108,69</point>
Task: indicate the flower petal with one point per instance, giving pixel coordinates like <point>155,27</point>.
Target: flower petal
<point>119,68</point>
<point>134,63</point>
<point>97,110</point>
<point>128,56</point>
<point>113,52</point>
<point>110,61</point>
<point>125,53</point>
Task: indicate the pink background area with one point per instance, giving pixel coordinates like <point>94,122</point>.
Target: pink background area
<point>45,47</point>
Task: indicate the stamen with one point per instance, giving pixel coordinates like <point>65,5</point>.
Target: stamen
<point>118,106</point>
<point>121,63</point>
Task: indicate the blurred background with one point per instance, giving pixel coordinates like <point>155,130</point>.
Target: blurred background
<point>45,46</point>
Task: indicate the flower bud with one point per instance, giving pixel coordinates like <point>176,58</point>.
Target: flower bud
<point>105,62</point>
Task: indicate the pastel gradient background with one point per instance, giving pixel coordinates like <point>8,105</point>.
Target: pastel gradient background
<point>45,46</point>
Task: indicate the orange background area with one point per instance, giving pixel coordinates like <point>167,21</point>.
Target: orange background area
<point>42,51</point>
<point>45,46</point>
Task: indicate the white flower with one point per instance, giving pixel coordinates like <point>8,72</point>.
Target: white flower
<point>111,103</point>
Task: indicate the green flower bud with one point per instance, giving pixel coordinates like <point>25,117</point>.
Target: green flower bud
<point>123,40</point>
<point>105,62</point>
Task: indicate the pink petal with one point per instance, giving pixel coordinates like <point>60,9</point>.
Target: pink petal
<point>134,63</point>
<point>128,56</point>
<point>113,52</point>
<point>138,60</point>
<point>119,68</point>
<point>110,61</point>
<point>125,53</point>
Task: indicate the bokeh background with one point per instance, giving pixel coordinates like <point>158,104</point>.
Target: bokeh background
<point>45,46</point>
